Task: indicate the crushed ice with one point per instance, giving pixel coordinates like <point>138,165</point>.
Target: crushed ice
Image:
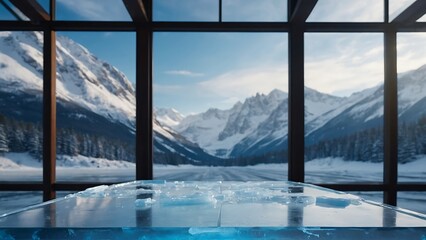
<point>148,193</point>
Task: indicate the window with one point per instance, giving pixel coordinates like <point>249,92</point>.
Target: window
<point>347,11</point>
<point>254,10</point>
<point>5,14</point>
<point>344,107</point>
<point>91,10</point>
<point>94,92</point>
<point>186,10</point>
<point>21,138</point>
<point>232,88</point>
<point>411,116</point>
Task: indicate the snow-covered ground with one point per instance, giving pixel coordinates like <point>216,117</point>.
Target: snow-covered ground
<point>21,167</point>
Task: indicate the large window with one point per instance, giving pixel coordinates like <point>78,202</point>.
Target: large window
<point>343,107</point>
<point>91,10</point>
<point>221,101</point>
<point>411,116</point>
<point>21,139</point>
<point>94,92</point>
<point>21,129</point>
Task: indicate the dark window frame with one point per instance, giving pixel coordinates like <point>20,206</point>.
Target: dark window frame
<point>144,27</point>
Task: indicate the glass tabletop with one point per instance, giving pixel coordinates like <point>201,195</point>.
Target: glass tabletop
<point>211,210</point>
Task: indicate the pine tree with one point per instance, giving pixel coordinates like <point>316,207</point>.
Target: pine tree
<point>71,143</point>
<point>3,140</point>
<point>35,143</point>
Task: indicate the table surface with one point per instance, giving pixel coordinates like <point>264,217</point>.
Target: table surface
<point>201,209</point>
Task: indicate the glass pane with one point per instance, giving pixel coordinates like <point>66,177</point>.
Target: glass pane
<point>422,19</point>
<point>92,10</point>
<point>21,88</point>
<point>415,201</point>
<point>45,4</point>
<point>343,107</point>
<point>398,6</point>
<point>11,201</point>
<point>95,106</point>
<point>347,11</point>
<point>186,10</point>
<point>5,14</point>
<point>411,107</point>
<point>254,10</point>
<point>221,105</point>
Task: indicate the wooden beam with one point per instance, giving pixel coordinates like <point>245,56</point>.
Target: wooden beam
<point>302,9</point>
<point>144,126</point>
<point>49,114</point>
<point>137,10</point>
<point>32,9</point>
<point>413,12</point>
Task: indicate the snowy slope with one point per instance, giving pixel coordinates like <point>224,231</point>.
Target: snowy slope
<point>92,94</point>
<point>218,131</point>
<point>168,117</point>
<point>260,124</point>
<point>204,128</point>
<point>271,134</point>
<point>82,78</point>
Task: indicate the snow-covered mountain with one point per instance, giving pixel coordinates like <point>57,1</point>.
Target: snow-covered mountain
<point>259,124</point>
<point>93,96</point>
<point>257,121</point>
<point>218,131</point>
<point>168,117</point>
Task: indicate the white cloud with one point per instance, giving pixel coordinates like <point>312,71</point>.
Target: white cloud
<point>411,51</point>
<point>335,77</point>
<point>240,84</point>
<point>344,63</point>
<point>97,9</point>
<point>184,73</point>
<point>166,89</point>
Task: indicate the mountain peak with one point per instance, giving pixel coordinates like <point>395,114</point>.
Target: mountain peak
<point>168,116</point>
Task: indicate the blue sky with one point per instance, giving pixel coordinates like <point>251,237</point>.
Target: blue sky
<point>196,71</point>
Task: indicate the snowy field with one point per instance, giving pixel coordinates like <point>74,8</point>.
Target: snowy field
<point>20,167</point>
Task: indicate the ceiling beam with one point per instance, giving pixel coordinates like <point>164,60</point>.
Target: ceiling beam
<point>413,12</point>
<point>302,10</point>
<point>32,9</point>
<point>138,10</point>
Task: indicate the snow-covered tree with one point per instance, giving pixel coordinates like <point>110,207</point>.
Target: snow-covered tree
<point>3,140</point>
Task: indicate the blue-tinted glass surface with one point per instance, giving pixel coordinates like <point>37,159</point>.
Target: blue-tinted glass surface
<point>11,201</point>
<point>211,210</point>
